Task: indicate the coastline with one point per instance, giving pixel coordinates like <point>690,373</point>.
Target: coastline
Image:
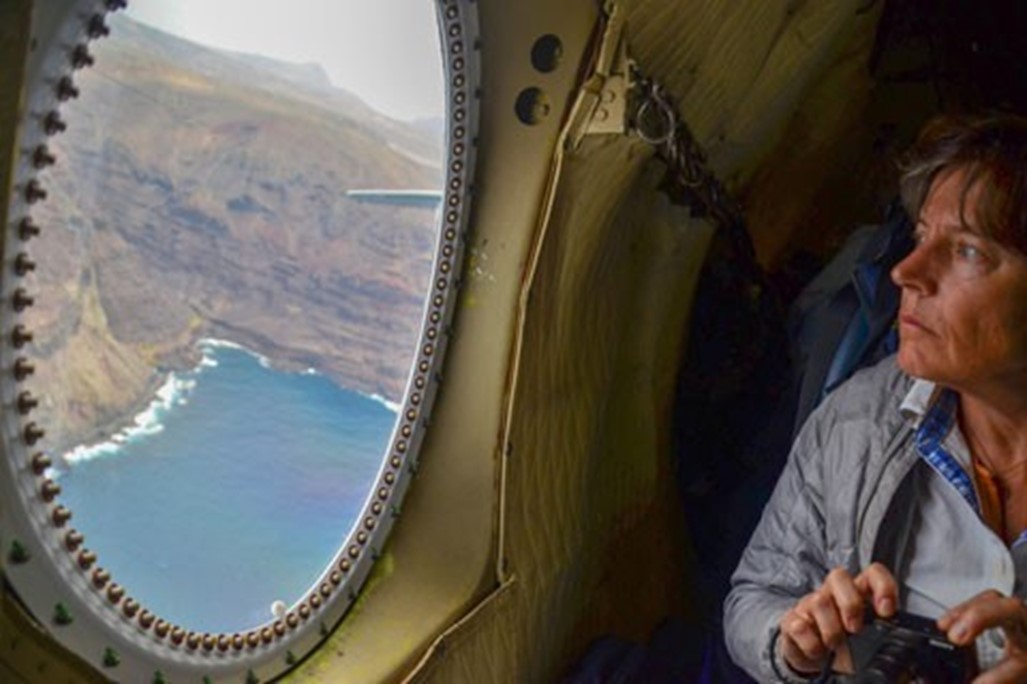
<point>165,389</point>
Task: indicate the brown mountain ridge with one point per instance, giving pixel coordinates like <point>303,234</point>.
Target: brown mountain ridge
<point>200,193</point>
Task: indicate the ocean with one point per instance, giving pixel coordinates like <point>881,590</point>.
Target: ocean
<point>234,488</point>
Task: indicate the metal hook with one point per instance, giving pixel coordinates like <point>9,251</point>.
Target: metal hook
<point>655,100</point>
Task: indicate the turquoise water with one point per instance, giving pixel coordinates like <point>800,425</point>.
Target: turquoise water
<point>235,489</point>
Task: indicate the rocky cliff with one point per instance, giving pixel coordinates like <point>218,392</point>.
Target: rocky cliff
<point>200,193</point>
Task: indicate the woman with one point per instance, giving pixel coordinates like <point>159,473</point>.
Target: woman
<point>907,488</point>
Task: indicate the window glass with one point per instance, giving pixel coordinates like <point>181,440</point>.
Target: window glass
<point>229,288</point>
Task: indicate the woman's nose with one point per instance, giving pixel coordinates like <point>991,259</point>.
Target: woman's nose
<point>916,271</point>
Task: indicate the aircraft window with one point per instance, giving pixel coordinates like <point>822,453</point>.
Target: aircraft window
<point>232,242</point>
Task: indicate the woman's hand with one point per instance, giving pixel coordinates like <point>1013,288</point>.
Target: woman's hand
<point>964,623</point>
<point>819,624</point>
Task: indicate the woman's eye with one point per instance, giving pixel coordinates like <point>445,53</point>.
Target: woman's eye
<point>969,252</point>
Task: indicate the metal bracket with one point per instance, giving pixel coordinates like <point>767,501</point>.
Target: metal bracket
<point>604,109</point>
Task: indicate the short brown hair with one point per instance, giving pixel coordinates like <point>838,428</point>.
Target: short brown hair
<point>992,151</point>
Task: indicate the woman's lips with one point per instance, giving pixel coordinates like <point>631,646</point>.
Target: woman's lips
<point>909,321</point>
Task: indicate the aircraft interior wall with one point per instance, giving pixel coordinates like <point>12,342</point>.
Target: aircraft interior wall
<point>545,513</point>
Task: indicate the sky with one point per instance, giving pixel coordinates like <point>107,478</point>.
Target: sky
<point>385,51</point>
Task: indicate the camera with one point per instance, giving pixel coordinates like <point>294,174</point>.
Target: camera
<point>908,648</point>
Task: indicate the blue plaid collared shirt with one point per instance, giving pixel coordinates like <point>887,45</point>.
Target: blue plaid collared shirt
<point>930,438</point>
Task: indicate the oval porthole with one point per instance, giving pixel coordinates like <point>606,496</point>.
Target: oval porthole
<point>227,286</point>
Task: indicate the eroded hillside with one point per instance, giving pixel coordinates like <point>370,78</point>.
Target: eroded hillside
<point>202,194</point>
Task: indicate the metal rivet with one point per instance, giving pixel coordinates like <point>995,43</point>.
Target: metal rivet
<point>326,589</point>
<point>344,565</point>
<point>54,124</point>
<point>66,89</point>
<point>40,462</point>
<point>73,539</point>
<point>42,157</point>
<point>23,264</point>
<point>279,628</point>
<point>224,642</point>
<point>49,490</point>
<point>335,577</point>
<point>26,403</point>
<point>60,516</point>
<point>238,642</point>
<point>21,300</point>
<point>97,28</point>
<point>115,593</point>
<point>130,607</point>
<point>27,229</point>
<point>304,611</point>
<point>81,58</point>
<point>252,639</point>
<point>354,551</point>
<point>292,621</point>
<point>100,579</point>
<point>192,641</point>
<point>177,636</point>
<point>266,635</point>
<point>32,433</point>
<point>20,336</point>
<point>86,558</point>
<point>209,642</point>
<point>34,192</point>
<point>315,601</point>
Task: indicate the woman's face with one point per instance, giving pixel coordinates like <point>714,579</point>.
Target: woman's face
<point>963,318</point>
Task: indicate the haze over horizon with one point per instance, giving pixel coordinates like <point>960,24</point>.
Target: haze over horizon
<point>386,52</point>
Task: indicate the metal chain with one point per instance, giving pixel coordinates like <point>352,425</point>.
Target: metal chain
<point>655,119</point>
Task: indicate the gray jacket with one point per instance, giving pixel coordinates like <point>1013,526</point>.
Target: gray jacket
<point>826,511</point>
